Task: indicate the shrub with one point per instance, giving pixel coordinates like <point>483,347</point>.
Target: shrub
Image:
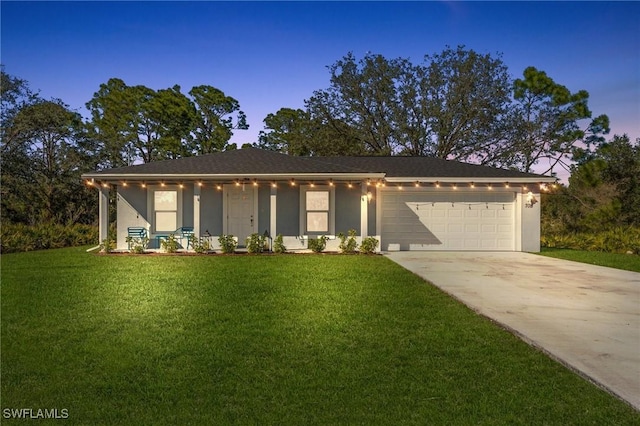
<point>369,245</point>
<point>255,243</point>
<point>278,244</point>
<point>617,240</point>
<point>227,243</point>
<point>317,245</point>
<point>348,244</point>
<point>139,245</point>
<point>199,245</point>
<point>170,244</point>
<point>107,245</point>
<point>17,237</point>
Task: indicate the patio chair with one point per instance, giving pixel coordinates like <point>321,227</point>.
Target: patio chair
<point>185,232</point>
<point>135,234</point>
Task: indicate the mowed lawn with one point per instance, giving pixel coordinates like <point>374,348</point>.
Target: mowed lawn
<point>291,339</point>
<point>628,262</point>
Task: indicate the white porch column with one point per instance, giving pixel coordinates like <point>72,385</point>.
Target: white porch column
<point>196,209</point>
<point>364,210</point>
<point>272,211</point>
<point>103,213</point>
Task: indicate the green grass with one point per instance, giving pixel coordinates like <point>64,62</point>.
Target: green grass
<point>290,339</point>
<point>628,262</point>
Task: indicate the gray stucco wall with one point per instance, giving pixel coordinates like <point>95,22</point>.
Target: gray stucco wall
<point>371,216</point>
<point>288,210</point>
<point>211,211</point>
<point>132,211</point>
<point>187,205</point>
<point>264,208</point>
<point>530,225</point>
<point>347,209</point>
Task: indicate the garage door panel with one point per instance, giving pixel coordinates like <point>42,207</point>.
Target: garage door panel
<point>448,221</point>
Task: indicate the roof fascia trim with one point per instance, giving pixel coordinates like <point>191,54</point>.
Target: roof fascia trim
<point>535,179</point>
<point>106,176</point>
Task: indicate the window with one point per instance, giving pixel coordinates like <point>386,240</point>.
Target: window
<point>165,210</point>
<point>317,211</point>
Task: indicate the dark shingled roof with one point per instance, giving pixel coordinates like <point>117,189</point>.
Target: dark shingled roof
<point>254,161</point>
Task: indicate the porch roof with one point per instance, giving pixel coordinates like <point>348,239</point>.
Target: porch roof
<point>258,163</point>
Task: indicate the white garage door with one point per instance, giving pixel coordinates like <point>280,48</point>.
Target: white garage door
<point>420,220</point>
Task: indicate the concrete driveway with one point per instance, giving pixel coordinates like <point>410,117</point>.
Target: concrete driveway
<point>587,317</point>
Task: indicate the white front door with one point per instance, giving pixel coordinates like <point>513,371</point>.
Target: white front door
<point>241,213</point>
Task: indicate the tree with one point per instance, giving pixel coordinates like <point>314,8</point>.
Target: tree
<point>15,94</point>
<point>360,106</point>
<point>42,183</point>
<point>214,122</point>
<point>287,132</point>
<point>546,122</point>
<point>112,110</point>
<point>623,170</point>
<point>450,107</point>
<point>464,97</point>
<point>295,132</point>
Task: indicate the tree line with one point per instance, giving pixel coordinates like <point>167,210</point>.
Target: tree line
<point>457,104</point>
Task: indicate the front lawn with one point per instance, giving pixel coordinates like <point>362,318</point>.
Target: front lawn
<point>292,339</point>
<point>628,262</point>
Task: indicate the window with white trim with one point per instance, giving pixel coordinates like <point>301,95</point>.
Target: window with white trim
<point>165,210</point>
<point>317,211</point>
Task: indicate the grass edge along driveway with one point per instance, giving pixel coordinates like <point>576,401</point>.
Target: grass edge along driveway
<point>626,262</point>
<point>291,339</point>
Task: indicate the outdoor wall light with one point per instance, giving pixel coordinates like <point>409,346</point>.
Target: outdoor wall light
<point>531,200</point>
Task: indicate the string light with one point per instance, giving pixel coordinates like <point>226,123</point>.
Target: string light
<point>417,184</point>
<point>274,184</point>
<point>144,185</point>
<point>293,182</point>
<point>124,183</point>
<point>255,182</point>
<point>330,182</point>
<point>473,185</point>
<point>350,185</point>
<point>437,184</point>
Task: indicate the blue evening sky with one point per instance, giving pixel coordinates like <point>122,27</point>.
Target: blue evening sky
<point>270,55</point>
